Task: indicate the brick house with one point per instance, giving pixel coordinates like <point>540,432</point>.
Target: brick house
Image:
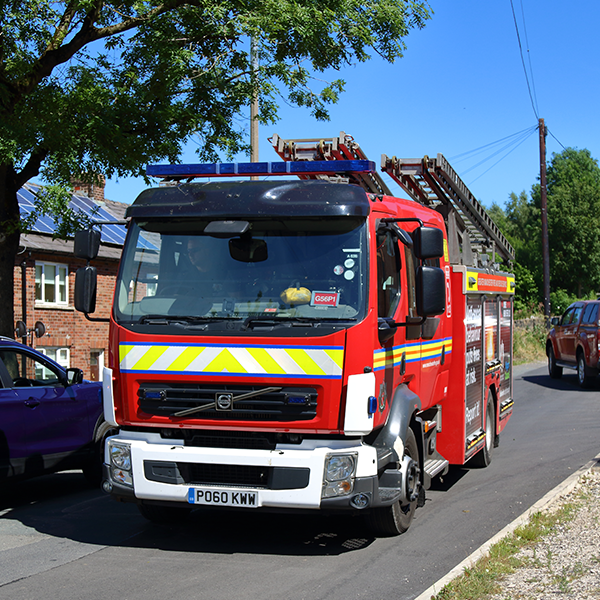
<point>45,272</point>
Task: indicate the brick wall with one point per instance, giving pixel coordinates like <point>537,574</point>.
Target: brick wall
<point>66,327</point>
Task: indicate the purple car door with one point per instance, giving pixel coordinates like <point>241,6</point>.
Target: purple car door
<point>55,416</point>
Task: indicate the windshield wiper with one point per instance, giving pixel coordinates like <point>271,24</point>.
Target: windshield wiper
<point>189,319</point>
<point>308,321</point>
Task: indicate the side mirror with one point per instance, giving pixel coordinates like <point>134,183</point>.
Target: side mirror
<point>431,291</point>
<point>74,376</point>
<point>554,321</point>
<point>85,289</point>
<point>87,244</point>
<point>428,242</point>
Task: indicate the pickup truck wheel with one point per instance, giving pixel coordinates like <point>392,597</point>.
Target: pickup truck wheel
<point>553,370</point>
<point>585,380</point>
<point>484,457</point>
<point>393,520</point>
<point>164,514</point>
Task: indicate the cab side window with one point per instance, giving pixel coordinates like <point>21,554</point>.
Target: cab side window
<point>590,315</point>
<point>388,274</point>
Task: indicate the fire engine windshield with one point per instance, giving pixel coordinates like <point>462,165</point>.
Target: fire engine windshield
<point>243,272</point>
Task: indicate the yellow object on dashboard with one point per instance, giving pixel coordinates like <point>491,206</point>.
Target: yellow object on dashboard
<point>294,295</point>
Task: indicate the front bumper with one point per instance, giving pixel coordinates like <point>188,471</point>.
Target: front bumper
<point>290,477</point>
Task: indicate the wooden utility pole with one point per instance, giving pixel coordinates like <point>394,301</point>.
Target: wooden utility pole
<point>544,208</point>
<point>254,108</point>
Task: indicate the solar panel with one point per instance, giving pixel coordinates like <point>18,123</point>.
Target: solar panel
<point>111,234</point>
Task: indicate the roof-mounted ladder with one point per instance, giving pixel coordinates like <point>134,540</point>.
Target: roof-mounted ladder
<point>433,182</point>
<point>342,147</point>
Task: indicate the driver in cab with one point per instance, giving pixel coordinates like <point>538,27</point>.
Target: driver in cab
<point>202,258</point>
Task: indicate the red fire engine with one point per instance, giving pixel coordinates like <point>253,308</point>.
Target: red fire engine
<point>313,343</point>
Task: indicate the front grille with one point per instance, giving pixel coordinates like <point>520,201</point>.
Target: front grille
<point>242,475</point>
<point>274,478</point>
<point>279,404</point>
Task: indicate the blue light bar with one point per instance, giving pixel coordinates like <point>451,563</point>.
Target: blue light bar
<point>312,167</point>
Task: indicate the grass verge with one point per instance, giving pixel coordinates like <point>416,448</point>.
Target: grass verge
<point>482,580</point>
<point>529,344</point>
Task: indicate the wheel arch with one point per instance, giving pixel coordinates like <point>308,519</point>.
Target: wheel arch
<point>404,406</point>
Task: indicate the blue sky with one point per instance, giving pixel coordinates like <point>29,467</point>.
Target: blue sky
<point>461,87</point>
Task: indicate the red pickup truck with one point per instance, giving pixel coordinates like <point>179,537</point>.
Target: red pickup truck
<point>573,342</point>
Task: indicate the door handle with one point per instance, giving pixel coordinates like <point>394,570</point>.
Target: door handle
<point>32,403</point>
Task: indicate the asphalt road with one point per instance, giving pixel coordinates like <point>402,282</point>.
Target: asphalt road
<point>59,539</point>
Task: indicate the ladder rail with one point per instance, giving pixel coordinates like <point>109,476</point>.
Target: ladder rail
<point>342,147</point>
<point>434,181</point>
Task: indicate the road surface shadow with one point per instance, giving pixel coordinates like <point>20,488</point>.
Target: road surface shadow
<point>63,506</point>
<point>568,382</point>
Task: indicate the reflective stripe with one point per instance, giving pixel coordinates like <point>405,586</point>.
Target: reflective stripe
<point>413,353</point>
<point>314,361</point>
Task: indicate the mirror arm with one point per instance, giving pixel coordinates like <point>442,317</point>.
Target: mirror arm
<point>96,319</point>
<point>394,324</point>
<point>407,323</point>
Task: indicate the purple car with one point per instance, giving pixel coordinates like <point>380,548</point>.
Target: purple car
<point>50,418</point>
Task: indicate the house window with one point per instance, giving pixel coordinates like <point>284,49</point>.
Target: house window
<point>59,355</point>
<point>51,283</point>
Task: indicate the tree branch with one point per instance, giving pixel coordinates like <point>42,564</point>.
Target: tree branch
<point>31,168</point>
<point>54,56</point>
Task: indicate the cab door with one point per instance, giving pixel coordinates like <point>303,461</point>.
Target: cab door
<point>569,337</point>
<point>395,353</point>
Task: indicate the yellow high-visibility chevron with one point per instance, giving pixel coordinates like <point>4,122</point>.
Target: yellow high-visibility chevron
<point>256,360</point>
<point>266,361</point>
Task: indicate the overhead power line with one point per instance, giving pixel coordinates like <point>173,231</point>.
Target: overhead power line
<point>527,77</point>
<point>515,144</point>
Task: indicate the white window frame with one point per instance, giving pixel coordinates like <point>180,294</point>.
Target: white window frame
<point>58,268</point>
<point>65,362</point>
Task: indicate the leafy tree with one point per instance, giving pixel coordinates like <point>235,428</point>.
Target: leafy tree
<point>573,189</point>
<point>574,221</point>
<point>94,86</point>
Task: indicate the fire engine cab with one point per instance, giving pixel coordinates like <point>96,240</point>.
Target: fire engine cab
<point>304,341</point>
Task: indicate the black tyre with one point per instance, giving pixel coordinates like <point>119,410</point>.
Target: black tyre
<point>396,519</point>
<point>484,457</point>
<point>553,370</point>
<point>583,373</point>
<point>92,469</point>
<point>164,514</point>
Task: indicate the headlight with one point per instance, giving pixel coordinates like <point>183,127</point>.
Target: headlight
<point>338,467</point>
<point>120,456</point>
<point>338,476</point>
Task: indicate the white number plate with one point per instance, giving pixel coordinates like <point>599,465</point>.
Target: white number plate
<point>221,497</point>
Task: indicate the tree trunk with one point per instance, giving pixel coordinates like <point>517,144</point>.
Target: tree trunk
<point>9,246</point>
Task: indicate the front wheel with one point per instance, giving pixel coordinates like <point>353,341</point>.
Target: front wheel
<point>583,377</point>
<point>92,469</point>
<point>396,519</point>
<point>484,457</point>
<point>553,369</point>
